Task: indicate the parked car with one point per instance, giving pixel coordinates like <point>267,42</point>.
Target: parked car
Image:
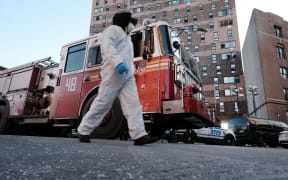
<point>256,131</point>
<point>283,138</point>
<point>209,135</point>
<point>215,135</point>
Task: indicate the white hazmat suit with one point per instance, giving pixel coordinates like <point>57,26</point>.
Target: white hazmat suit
<point>116,47</point>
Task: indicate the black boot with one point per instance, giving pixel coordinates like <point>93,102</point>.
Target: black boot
<point>145,140</point>
<point>84,138</point>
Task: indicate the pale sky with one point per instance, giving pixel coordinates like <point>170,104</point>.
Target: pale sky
<point>35,29</point>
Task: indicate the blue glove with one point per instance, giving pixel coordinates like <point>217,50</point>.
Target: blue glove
<point>122,68</point>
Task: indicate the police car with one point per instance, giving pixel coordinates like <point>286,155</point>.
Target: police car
<point>208,135</point>
<point>215,135</point>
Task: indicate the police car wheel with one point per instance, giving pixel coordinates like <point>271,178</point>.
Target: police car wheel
<point>229,140</point>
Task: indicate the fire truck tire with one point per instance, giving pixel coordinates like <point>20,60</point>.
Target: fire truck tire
<point>114,123</point>
<point>4,125</point>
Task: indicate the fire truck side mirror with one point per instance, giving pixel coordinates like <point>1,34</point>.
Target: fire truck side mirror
<point>176,45</point>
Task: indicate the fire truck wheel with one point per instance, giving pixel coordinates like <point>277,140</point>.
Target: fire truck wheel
<point>113,125</point>
<point>4,126</point>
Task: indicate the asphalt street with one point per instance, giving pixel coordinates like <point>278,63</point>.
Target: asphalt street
<point>31,157</point>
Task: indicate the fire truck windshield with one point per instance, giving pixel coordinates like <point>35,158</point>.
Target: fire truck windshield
<point>165,39</point>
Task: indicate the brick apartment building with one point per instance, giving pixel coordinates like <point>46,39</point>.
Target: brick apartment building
<point>266,66</point>
<point>217,51</point>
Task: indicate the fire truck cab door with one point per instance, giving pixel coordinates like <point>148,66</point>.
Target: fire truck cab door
<point>70,87</point>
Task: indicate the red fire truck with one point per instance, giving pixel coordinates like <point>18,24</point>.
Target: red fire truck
<point>58,95</point>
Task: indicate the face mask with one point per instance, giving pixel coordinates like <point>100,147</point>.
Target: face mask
<point>131,27</point>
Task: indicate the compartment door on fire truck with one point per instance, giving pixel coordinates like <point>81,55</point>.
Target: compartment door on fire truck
<point>68,98</point>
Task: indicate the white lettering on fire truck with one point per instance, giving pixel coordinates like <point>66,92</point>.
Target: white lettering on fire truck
<point>71,84</point>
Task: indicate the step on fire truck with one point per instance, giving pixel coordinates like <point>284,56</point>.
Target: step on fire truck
<point>58,95</point>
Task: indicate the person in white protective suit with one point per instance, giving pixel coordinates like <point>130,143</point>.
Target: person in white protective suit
<point>117,81</point>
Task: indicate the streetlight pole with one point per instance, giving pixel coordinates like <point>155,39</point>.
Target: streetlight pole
<point>253,91</point>
<point>236,90</point>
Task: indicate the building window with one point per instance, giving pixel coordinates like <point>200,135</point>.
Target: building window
<point>195,18</point>
<point>228,92</point>
<point>213,47</point>
<point>229,56</point>
<point>204,70</point>
<point>118,6</point>
<point>107,16</point>
<point>229,34</point>
<point>177,20</point>
<point>172,3</point>
<point>213,5</point>
<point>226,3</point>
<point>189,39</point>
<point>187,29</point>
<point>125,4</point>
<point>200,7</point>
<point>228,22</point>
<point>95,28</point>
<point>228,44</point>
<point>221,107</point>
<point>218,69</point>
<point>233,68</point>
<point>230,80</point>
<point>284,72</point>
<point>226,12</point>
<point>164,15</point>
<point>133,2</point>
<point>107,8</point>
<point>149,8</point>
<point>98,10</point>
<point>188,1</point>
<point>280,52</point>
<point>97,18</point>
<point>216,37</point>
<point>277,31</point>
<point>285,91</point>
<point>214,58</point>
<point>210,15</point>
<point>158,6</point>
<point>188,10</point>
<point>137,10</point>
<point>196,48</point>
<point>176,12</point>
<point>216,93</point>
<point>202,37</point>
<point>185,19</point>
<point>211,26</point>
<point>216,81</point>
